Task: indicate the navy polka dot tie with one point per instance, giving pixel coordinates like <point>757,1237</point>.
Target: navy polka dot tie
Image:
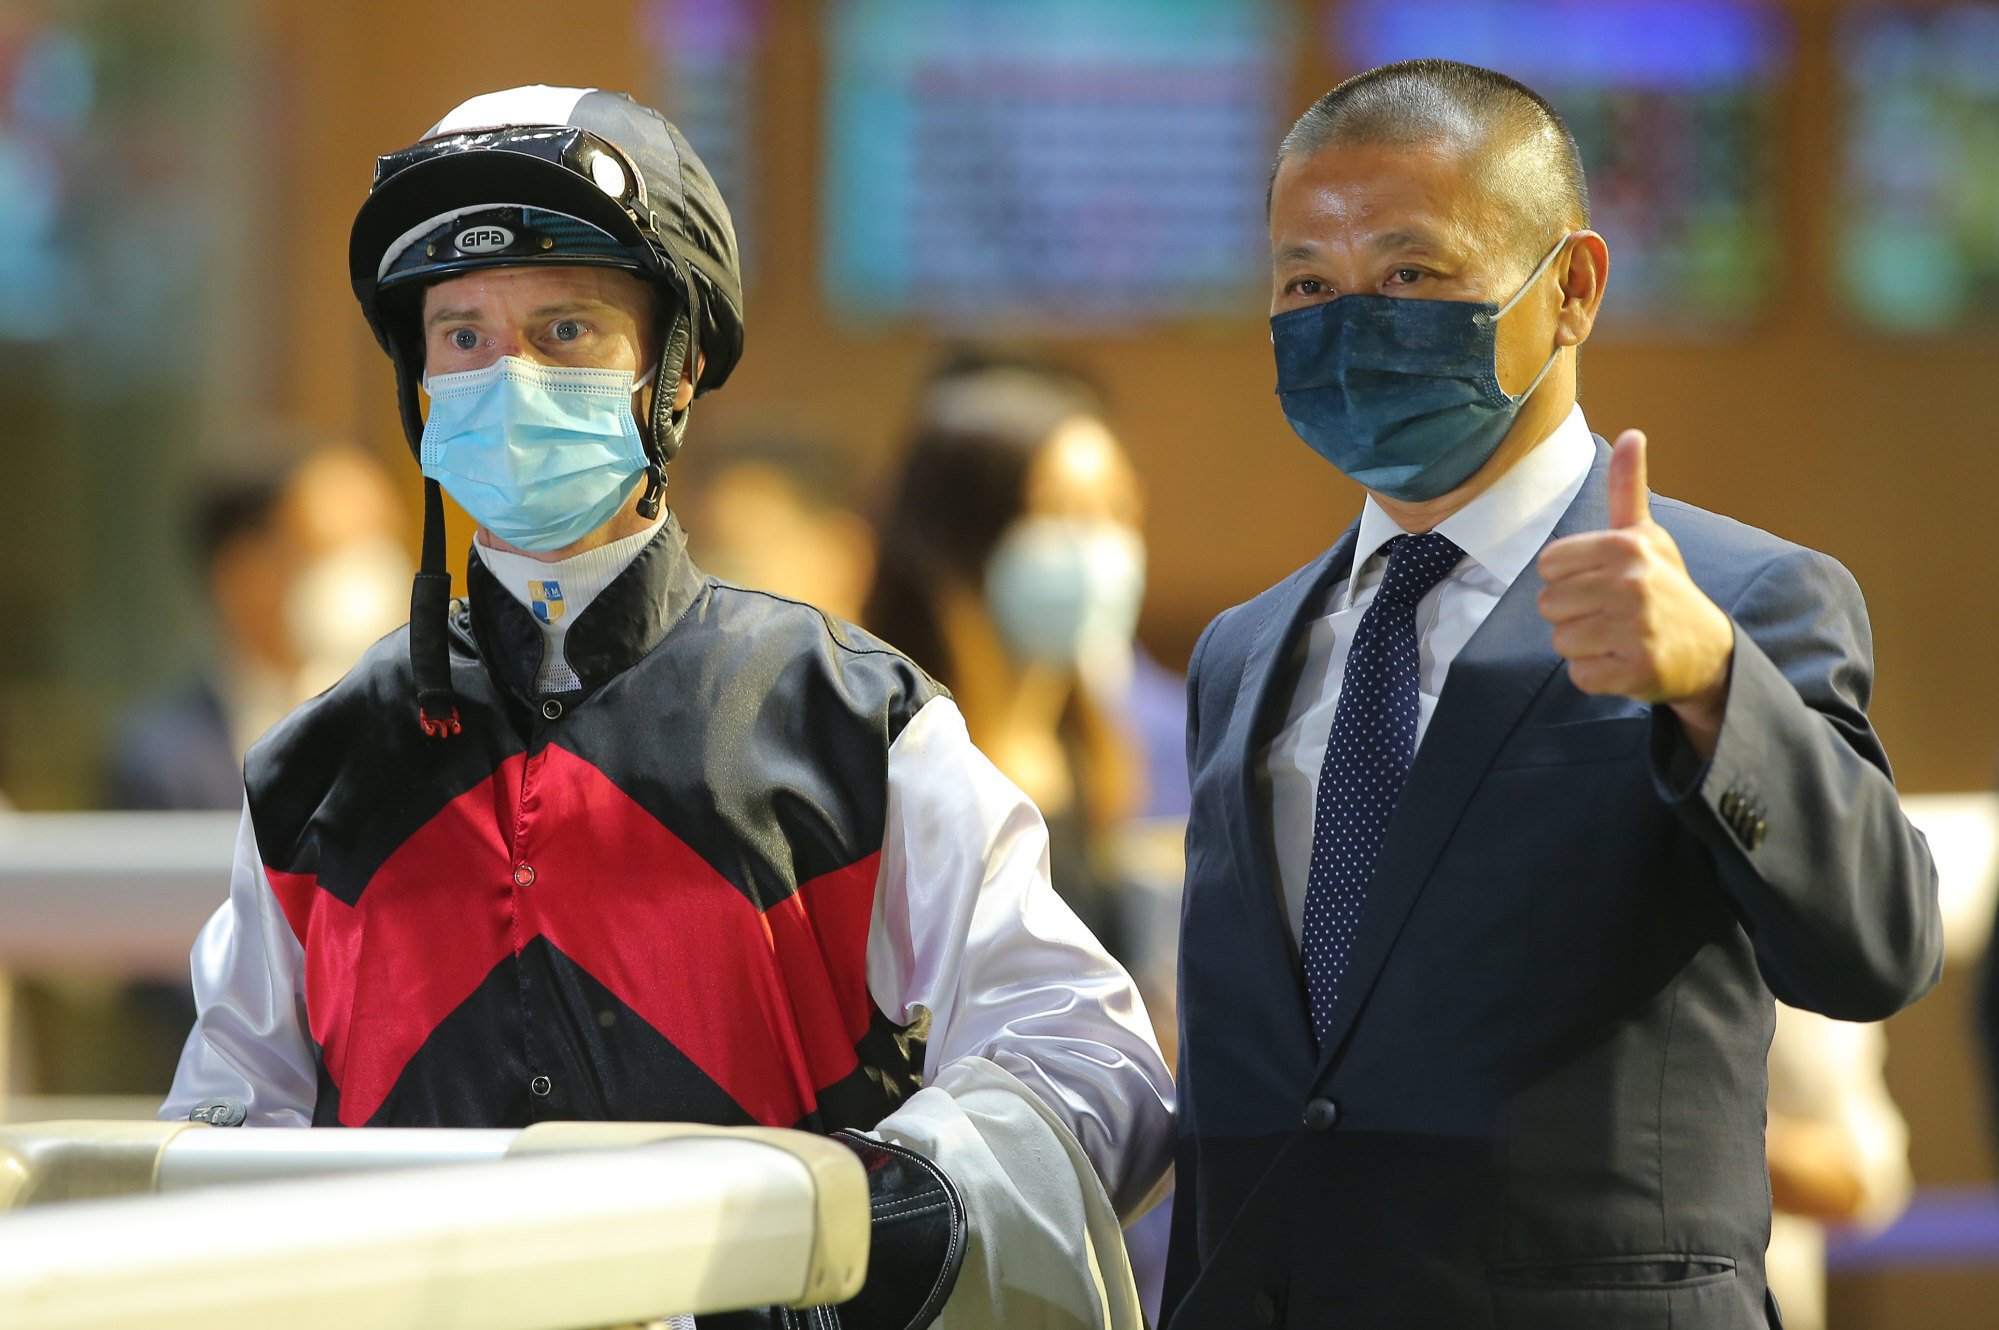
<point>1367,762</point>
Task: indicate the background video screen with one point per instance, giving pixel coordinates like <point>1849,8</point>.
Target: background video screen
<point>1053,163</point>
<point>703,62</point>
<point>1671,103</point>
<point>1918,222</point>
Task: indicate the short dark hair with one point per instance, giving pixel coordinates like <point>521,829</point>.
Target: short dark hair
<point>233,508</point>
<point>1417,101</point>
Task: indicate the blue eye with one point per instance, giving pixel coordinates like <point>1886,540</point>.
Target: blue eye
<point>464,339</point>
<point>568,330</point>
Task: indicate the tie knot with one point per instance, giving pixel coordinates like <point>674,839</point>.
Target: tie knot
<point>1416,564</point>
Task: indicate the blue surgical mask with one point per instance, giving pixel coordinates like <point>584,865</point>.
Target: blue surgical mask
<point>1401,395</point>
<point>539,455</point>
<point>1061,590</point>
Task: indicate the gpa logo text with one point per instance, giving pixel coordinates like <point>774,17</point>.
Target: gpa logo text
<point>483,240</point>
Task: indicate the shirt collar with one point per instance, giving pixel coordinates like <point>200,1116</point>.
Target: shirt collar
<point>626,619</point>
<point>580,576</point>
<point>1503,528</point>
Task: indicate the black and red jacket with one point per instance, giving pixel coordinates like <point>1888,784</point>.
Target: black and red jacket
<point>648,899</point>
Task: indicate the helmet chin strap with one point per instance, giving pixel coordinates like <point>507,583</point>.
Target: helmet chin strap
<point>430,596</point>
<point>667,426</point>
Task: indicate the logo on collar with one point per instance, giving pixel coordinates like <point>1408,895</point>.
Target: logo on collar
<point>545,599</point>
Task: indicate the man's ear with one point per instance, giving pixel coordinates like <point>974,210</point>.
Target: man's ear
<point>681,398</point>
<point>688,374</point>
<point>1584,271</point>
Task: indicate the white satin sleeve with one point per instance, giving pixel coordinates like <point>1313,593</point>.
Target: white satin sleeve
<point>967,927</point>
<point>249,1041</point>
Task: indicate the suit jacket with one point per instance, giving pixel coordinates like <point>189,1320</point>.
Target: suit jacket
<point>176,753</point>
<point>1541,1103</point>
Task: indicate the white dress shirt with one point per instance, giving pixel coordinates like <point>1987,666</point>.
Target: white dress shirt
<point>1501,532</point>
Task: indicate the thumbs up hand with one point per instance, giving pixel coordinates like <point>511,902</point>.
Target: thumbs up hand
<point>1628,619</point>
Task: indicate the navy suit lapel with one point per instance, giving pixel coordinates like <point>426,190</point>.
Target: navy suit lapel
<point>1260,706</point>
<point>1502,668</point>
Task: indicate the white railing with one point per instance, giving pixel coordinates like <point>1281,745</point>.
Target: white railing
<point>121,893</point>
<point>503,1230</point>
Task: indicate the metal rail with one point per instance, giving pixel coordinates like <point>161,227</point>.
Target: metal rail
<point>532,1230</point>
<point>113,892</point>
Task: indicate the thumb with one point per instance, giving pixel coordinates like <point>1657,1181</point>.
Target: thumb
<point>1629,503</point>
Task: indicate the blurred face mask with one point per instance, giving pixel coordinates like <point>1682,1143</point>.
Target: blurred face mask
<point>539,455</point>
<point>1062,591</point>
<point>341,603</point>
<point>1401,395</point>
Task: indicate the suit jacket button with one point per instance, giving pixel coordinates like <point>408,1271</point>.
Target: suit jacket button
<point>1730,800</point>
<point>1266,1308</point>
<point>1758,832</point>
<point>1321,1115</point>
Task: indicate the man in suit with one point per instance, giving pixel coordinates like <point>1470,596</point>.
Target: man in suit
<point>1513,808</point>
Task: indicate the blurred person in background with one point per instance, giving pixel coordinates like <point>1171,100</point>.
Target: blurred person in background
<point>1012,568</point>
<point>776,511</point>
<point>1837,1146</point>
<point>303,567</point>
<point>181,751</point>
<point>1515,806</point>
<point>350,584</point>
<point>184,750</point>
<point>609,839</point>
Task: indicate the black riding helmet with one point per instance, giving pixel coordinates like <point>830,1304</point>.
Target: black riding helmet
<point>557,176</point>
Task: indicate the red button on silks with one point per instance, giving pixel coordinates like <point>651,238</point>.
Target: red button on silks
<point>524,875</point>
